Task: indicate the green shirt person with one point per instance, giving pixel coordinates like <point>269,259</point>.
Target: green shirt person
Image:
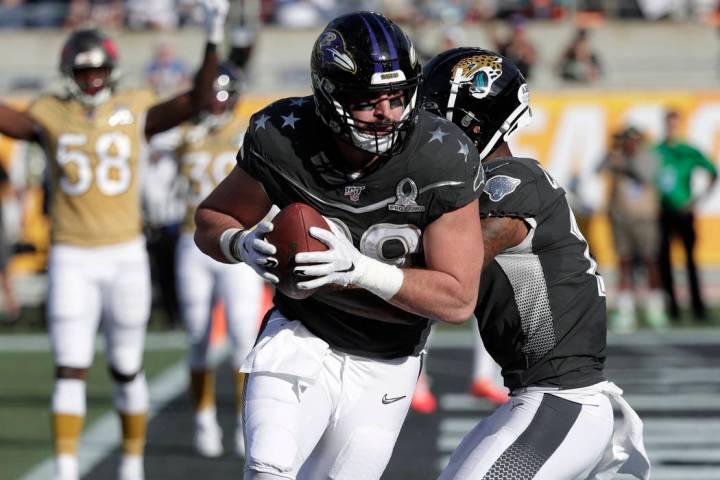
<point>677,161</point>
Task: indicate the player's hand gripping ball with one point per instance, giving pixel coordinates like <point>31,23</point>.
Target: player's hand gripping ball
<point>290,236</point>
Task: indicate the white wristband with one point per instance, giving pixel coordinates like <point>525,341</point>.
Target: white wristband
<point>216,33</point>
<point>381,279</point>
<point>225,244</point>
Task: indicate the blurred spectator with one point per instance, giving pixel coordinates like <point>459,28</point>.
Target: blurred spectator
<point>633,213</point>
<point>32,13</point>
<point>544,9</point>
<point>678,160</point>
<point>166,73</point>
<point>579,63</point>
<point>12,13</point>
<point>102,13</point>
<point>151,15</point>
<point>676,9</point>
<point>303,13</point>
<point>516,46</point>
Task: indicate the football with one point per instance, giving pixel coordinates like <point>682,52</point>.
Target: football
<point>291,235</point>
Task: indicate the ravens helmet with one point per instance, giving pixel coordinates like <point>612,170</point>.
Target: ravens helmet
<point>87,63</point>
<point>358,56</point>
<point>479,90</point>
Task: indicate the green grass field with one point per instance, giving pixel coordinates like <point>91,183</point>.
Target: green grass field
<point>25,400</point>
<point>26,386</point>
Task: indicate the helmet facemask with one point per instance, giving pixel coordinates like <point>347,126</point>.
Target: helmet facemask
<point>88,66</point>
<point>94,90</point>
<point>358,58</point>
<point>381,137</point>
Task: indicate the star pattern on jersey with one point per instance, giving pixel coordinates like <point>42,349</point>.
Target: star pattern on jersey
<point>260,122</point>
<point>289,120</point>
<point>438,135</point>
<point>464,150</point>
<point>298,102</point>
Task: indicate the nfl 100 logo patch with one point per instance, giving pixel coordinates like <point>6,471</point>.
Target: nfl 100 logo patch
<point>354,192</point>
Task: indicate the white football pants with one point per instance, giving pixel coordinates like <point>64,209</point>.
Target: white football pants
<point>89,283</point>
<point>543,434</point>
<point>312,412</point>
<point>202,280</point>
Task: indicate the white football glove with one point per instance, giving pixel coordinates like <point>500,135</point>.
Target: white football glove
<point>215,14</point>
<point>251,247</point>
<point>342,264</point>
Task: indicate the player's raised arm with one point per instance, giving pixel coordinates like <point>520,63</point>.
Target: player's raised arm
<point>16,124</point>
<point>170,113</point>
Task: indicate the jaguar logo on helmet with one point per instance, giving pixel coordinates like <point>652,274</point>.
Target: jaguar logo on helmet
<point>331,49</point>
<point>479,71</point>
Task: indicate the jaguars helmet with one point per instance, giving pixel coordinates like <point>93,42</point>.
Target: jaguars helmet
<point>481,91</point>
<point>357,56</point>
<point>89,49</point>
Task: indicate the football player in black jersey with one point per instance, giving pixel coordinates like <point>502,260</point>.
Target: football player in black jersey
<point>541,306</point>
<point>331,376</point>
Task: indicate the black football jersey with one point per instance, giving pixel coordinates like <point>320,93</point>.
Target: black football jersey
<point>384,211</point>
<point>541,306</point>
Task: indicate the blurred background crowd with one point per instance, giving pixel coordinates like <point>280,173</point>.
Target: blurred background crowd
<point>172,14</point>
<point>634,167</point>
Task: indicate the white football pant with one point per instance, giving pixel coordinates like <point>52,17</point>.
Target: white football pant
<point>545,434</point>
<point>312,412</point>
<point>202,280</point>
<point>90,283</point>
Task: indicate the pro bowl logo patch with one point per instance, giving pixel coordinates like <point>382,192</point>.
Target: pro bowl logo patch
<point>499,186</point>
<point>479,71</point>
<point>331,49</point>
<point>121,115</point>
<point>406,193</point>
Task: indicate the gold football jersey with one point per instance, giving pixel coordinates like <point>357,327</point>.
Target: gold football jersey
<point>94,163</point>
<point>206,158</point>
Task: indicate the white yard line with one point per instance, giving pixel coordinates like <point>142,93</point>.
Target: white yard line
<point>103,436</point>
<point>40,342</point>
